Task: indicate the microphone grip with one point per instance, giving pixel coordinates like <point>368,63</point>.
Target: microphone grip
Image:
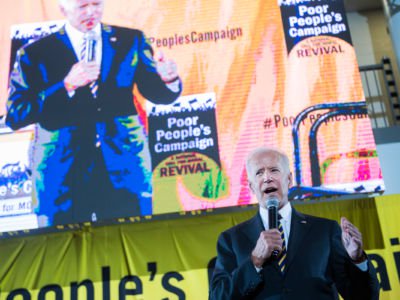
<point>273,223</point>
<point>90,50</point>
<point>272,217</point>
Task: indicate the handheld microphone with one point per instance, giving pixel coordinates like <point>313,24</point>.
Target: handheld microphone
<point>90,44</point>
<point>272,207</point>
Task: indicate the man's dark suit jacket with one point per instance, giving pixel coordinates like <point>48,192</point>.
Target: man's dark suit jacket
<point>69,128</point>
<point>317,265</point>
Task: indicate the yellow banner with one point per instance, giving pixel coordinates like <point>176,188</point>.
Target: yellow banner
<point>387,260</point>
<point>168,259</point>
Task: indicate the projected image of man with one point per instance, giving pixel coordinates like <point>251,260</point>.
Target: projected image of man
<point>90,156</point>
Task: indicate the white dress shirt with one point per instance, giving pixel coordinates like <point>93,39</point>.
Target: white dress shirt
<point>77,38</point>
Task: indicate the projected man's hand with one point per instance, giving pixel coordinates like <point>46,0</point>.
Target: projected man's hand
<point>81,74</point>
<point>167,69</point>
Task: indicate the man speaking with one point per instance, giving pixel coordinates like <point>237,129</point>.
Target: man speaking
<point>300,257</point>
<point>90,156</point>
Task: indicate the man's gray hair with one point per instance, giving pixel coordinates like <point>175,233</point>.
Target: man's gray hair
<point>282,156</point>
<point>66,4</point>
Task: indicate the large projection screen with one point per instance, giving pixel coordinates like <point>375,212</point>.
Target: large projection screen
<point>261,72</point>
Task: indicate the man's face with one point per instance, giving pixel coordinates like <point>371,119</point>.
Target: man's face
<point>84,15</point>
<point>269,177</point>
